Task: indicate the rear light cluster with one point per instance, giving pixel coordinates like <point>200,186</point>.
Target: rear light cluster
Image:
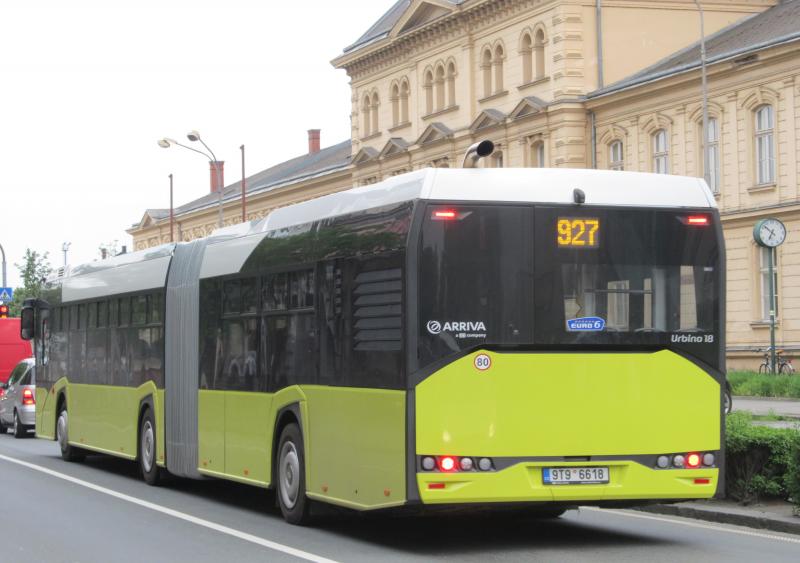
<point>691,460</point>
<point>454,464</point>
<point>27,397</point>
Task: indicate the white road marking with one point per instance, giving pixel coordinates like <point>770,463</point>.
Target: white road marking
<point>175,514</point>
<point>692,524</point>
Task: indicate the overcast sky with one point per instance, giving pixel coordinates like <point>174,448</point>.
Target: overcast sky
<point>87,88</point>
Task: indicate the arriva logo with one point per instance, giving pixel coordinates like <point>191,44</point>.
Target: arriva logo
<point>435,327</point>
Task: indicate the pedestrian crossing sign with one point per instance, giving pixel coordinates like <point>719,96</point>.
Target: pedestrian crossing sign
<point>6,293</point>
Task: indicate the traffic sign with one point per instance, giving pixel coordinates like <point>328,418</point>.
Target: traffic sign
<point>6,293</point>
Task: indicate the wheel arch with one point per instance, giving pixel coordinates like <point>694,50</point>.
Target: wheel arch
<point>289,414</point>
<point>145,403</point>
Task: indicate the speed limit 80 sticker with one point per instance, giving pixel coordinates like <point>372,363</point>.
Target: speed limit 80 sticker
<point>482,362</point>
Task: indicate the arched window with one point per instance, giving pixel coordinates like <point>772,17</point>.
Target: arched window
<point>451,84</point>
<point>765,145</point>
<point>365,116</point>
<point>375,105</point>
<point>497,63</point>
<point>711,154</point>
<point>527,58</point>
<point>439,86</point>
<point>538,54</point>
<point>404,92</point>
<point>486,69</point>
<point>536,156</point>
<point>497,159</point>
<point>616,160</point>
<point>428,85</point>
<point>660,152</point>
<point>395,99</point>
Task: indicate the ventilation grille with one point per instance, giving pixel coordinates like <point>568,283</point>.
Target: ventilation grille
<point>378,310</point>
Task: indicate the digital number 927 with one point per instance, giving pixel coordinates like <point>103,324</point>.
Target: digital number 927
<point>578,232</point>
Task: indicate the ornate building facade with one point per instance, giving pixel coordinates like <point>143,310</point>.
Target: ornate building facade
<point>574,83</point>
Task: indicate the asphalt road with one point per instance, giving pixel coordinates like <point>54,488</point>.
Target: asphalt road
<point>100,511</point>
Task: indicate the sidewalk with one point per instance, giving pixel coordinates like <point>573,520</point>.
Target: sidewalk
<point>768,405</point>
<point>771,515</point>
<point>787,408</point>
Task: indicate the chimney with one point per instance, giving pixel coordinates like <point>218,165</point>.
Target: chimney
<point>313,141</point>
<point>217,182</point>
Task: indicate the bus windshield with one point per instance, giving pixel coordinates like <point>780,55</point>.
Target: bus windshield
<point>568,277</point>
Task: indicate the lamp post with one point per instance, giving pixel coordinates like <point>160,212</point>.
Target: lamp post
<point>64,249</point>
<point>244,205</point>
<point>171,213</point>
<point>166,143</point>
<point>706,172</point>
<point>4,265</point>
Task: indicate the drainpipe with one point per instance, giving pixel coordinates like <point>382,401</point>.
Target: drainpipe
<point>599,23</point>
<point>594,139</point>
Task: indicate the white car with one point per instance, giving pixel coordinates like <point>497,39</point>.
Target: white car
<point>18,402</point>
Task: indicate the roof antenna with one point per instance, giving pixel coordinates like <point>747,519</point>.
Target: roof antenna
<point>578,196</point>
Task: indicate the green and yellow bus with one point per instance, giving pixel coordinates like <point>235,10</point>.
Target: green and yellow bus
<point>490,337</point>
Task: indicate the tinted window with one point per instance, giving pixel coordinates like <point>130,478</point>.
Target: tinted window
<point>651,280</point>
<point>232,297</point>
<point>125,311</point>
<point>139,310</point>
<point>476,279</point>
<point>291,350</point>
<point>276,292</point>
<point>156,313</point>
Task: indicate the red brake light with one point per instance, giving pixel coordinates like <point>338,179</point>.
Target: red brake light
<point>27,397</point>
<point>693,461</point>
<point>444,214</point>
<point>436,485</point>
<point>447,464</point>
<point>697,220</point>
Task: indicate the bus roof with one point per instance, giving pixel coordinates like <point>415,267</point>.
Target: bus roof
<point>147,269</point>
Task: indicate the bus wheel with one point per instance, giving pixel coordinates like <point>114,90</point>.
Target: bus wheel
<point>147,450</point>
<point>68,452</point>
<point>292,499</point>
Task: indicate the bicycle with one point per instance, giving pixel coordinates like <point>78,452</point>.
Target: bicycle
<point>784,365</point>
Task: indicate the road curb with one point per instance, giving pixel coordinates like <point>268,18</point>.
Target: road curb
<point>788,525</point>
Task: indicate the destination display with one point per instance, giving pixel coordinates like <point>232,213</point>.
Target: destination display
<point>578,232</point>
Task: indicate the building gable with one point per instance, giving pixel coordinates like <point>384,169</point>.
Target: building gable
<point>433,133</point>
<point>487,119</point>
<point>394,147</point>
<point>421,12</point>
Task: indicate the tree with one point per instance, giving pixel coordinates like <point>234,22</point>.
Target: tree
<point>34,270</point>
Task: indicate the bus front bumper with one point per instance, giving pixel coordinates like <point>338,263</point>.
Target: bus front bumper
<point>628,481</point>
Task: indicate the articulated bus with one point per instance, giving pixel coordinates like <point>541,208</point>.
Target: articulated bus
<point>531,338</point>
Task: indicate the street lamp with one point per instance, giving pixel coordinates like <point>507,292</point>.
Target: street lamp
<point>166,143</point>
<point>64,249</point>
<point>4,264</point>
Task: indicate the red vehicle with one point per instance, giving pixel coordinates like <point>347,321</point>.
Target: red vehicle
<point>12,348</point>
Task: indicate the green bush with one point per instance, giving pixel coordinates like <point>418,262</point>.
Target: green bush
<point>754,384</point>
<point>759,460</point>
<point>793,477</point>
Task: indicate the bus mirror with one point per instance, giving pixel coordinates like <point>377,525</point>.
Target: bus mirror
<point>27,323</point>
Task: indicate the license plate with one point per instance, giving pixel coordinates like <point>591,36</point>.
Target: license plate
<point>574,475</point>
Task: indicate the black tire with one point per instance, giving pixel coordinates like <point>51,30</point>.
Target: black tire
<point>19,429</point>
<point>290,476</point>
<point>3,428</point>
<point>728,398</point>
<point>68,452</point>
<point>763,368</point>
<point>151,472</point>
